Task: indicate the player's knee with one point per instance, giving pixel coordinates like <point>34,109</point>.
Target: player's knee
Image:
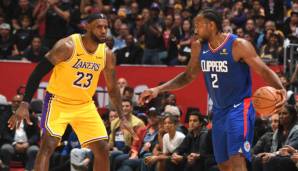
<point>238,161</point>
<point>99,147</point>
<point>225,166</point>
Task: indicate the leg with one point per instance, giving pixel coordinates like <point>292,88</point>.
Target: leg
<point>100,151</point>
<point>30,156</point>
<point>47,147</point>
<point>225,166</point>
<point>7,151</point>
<point>238,162</point>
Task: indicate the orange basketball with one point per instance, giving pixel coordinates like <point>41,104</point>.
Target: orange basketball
<point>264,100</point>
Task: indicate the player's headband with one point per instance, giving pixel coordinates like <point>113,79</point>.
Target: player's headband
<point>95,16</point>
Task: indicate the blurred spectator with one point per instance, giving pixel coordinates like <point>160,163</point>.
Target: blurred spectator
<point>238,15</point>
<point>36,51</point>
<point>257,9</point>
<point>24,35</point>
<point>22,142</point>
<point>291,25</point>
<point>259,23</point>
<point>110,42</point>
<point>190,155</point>
<point>290,94</point>
<point>128,93</point>
<point>24,9</point>
<point>171,140</point>
<point>131,54</point>
<point>250,29</point>
<point>57,16</point>
<point>175,36</point>
<point>6,42</point>
<point>153,37</point>
<point>137,30</point>
<point>149,141</point>
<point>239,32</point>
<point>285,135</point>
<point>8,8</point>
<point>122,83</point>
<point>167,30</point>
<point>263,145</point>
<point>272,51</point>
<point>121,142</point>
<point>274,10</point>
<point>120,40</point>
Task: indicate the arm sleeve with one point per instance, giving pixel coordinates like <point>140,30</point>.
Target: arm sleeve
<point>38,73</point>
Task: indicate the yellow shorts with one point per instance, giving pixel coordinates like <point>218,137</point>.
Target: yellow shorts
<point>83,118</point>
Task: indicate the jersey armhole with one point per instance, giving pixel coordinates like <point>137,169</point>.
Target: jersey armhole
<point>74,49</point>
<point>105,57</point>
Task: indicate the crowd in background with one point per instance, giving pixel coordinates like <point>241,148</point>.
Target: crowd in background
<point>149,32</point>
<point>144,31</point>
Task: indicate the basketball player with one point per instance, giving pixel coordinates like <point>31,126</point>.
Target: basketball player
<point>77,62</point>
<point>225,61</point>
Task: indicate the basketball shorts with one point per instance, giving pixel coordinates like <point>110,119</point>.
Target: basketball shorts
<point>232,130</point>
<point>83,118</point>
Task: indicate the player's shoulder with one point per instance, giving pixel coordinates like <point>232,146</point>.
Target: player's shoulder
<point>240,42</point>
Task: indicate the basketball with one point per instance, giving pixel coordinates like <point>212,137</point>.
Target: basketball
<point>264,101</point>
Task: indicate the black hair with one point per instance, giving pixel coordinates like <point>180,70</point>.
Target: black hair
<point>202,119</point>
<point>212,15</point>
<point>129,89</point>
<point>127,100</point>
<point>95,16</point>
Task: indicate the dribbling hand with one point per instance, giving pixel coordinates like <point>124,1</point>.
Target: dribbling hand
<point>148,95</point>
<point>21,113</point>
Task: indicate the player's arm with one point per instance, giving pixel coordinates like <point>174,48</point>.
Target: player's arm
<point>182,79</point>
<point>243,50</point>
<point>61,51</point>
<point>113,90</point>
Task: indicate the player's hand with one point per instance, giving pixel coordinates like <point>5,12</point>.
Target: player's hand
<point>283,97</point>
<point>148,95</point>
<point>21,113</point>
<point>127,126</point>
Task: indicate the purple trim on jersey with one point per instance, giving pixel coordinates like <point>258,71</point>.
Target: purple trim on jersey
<point>45,111</point>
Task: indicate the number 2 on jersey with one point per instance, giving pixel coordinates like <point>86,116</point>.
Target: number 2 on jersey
<point>214,80</point>
<point>81,75</point>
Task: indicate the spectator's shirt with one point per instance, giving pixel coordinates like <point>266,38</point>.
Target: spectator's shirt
<point>6,47</point>
<point>35,56</point>
<point>153,41</point>
<point>129,55</point>
<point>23,38</point>
<point>20,135</point>
<point>291,140</point>
<point>119,139</point>
<point>170,145</point>
<point>193,144</point>
<point>56,26</point>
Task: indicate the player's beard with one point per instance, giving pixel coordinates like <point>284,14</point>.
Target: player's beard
<point>97,40</point>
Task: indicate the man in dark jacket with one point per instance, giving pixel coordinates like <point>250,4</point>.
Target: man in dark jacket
<point>190,154</point>
<point>22,142</point>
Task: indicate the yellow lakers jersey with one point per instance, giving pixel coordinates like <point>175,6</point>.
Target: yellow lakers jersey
<point>75,80</point>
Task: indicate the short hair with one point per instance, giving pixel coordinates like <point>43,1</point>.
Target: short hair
<point>95,16</point>
<point>201,118</point>
<point>212,15</point>
<point>127,100</point>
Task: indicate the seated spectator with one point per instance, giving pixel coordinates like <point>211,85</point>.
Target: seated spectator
<point>6,42</point>
<point>285,135</point>
<point>36,51</point>
<point>171,140</point>
<point>22,142</point>
<point>290,94</point>
<point>132,53</point>
<point>122,144</point>
<point>271,52</point>
<point>264,144</point>
<point>24,35</point>
<point>291,25</point>
<point>149,141</point>
<point>190,155</point>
